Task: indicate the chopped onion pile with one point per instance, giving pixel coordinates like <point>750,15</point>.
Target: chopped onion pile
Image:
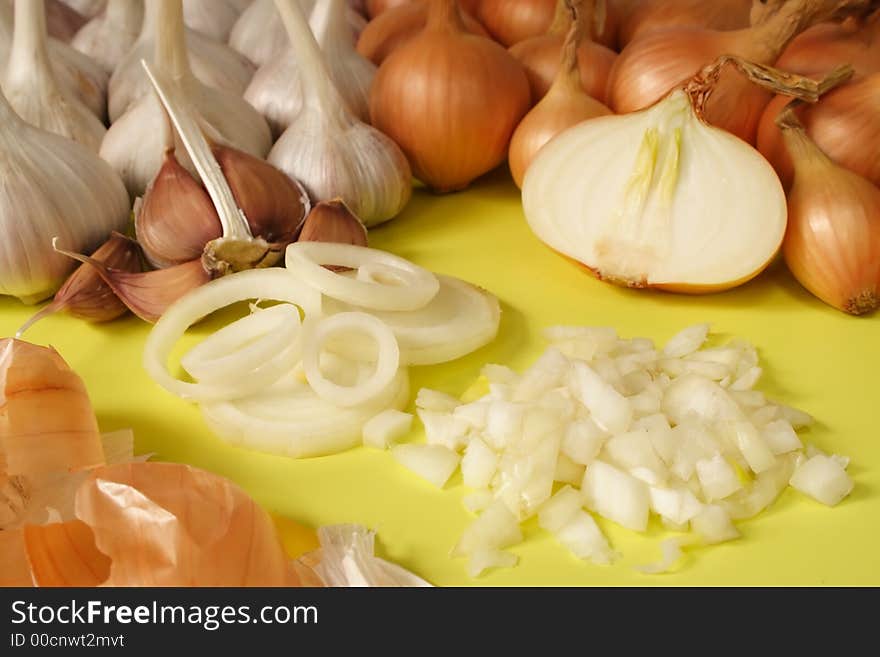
<point>630,430</point>
<point>277,382</point>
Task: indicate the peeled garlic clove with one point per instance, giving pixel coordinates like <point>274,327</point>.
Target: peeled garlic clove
<point>31,88</point>
<point>107,37</point>
<point>332,221</point>
<point>176,218</point>
<point>85,295</point>
<point>213,64</point>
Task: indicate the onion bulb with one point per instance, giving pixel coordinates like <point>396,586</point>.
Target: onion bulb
<point>845,125</point>
<point>540,55</point>
<point>393,28</point>
<point>565,105</point>
<point>649,67</point>
<point>423,98</point>
<point>832,245</point>
<point>659,198</point>
<point>824,46</point>
<point>512,21</point>
<point>653,15</point>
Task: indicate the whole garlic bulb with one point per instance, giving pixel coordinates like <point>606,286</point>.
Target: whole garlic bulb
<point>112,33</point>
<point>89,8</point>
<point>74,70</point>
<point>213,18</point>
<point>30,86</point>
<point>136,143</point>
<point>331,152</point>
<point>213,63</point>
<point>259,33</point>
<point>276,88</point>
<point>52,187</point>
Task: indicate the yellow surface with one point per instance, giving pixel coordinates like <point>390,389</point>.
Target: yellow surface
<point>814,357</point>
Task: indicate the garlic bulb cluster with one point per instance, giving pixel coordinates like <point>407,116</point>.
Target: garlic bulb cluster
<point>213,18</point>
<point>136,143</point>
<point>112,33</point>
<point>259,33</point>
<point>327,149</point>
<point>52,188</point>
<point>31,88</point>
<point>212,63</point>
<point>73,70</point>
<point>276,88</point>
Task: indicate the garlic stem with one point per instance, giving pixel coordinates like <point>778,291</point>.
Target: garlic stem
<point>320,92</point>
<point>30,52</point>
<point>233,221</point>
<point>171,54</point>
<point>329,21</point>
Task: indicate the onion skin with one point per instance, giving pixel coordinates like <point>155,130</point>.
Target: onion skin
<point>397,26</point>
<point>422,97</point>
<point>540,57</point>
<point>375,8</point>
<point>832,244</point>
<point>652,15</point>
<point>845,125</point>
<point>512,21</point>
<point>824,46</point>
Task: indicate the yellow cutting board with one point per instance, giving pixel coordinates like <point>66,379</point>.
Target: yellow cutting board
<point>814,357</point>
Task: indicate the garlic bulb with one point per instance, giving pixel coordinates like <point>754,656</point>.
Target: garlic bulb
<point>73,70</point>
<point>111,34</point>
<point>63,21</point>
<point>52,187</point>
<point>88,8</point>
<point>259,33</point>
<point>214,64</point>
<point>213,18</point>
<point>276,88</point>
<point>327,149</point>
<point>136,143</point>
<point>30,86</point>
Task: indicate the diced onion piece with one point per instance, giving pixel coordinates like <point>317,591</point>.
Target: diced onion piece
<point>473,414</point>
<point>748,380</point>
<point>556,512</point>
<point>499,374</point>
<point>478,465</point>
<point>460,319</point>
<point>677,505</point>
<point>485,558</point>
<point>610,410</point>
<point>717,478</point>
<point>478,500</point>
<point>268,284</point>
<point>822,478</point>
<point>583,537</point>
<point>748,440</point>
<point>634,453</point>
<point>780,437</point>
<point>504,421</point>
<point>686,341</point>
<point>434,463</point>
<point>386,428</point>
<point>714,525</point>
<point>567,471</point>
<point>616,495</point>
<point>671,551</point>
<point>387,359</point>
<point>692,396</point>
<point>494,529</point>
<point>600,339</point>
<point>766,487</point>
<point>434,400</point>
<point>307,260</point>
<point>548,372</point>
<point>798,419</point>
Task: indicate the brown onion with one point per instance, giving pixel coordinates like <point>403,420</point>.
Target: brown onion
<point>512,21</point>
<point>824,46</point>
<point>540,55</point>
<point>565,104</point>
<point>845,125</point>
<point>398,25</point>
<point>377,7</point>
<point>652,15</point>
<point>832,244</point>
<point>649,67</point>
<point>450,100</point>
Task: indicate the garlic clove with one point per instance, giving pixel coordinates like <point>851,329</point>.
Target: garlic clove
<point>85,295</point>
<point>109,36</point>
<point>213,18</point>
<point>332,221</point>
<point>176,218</point>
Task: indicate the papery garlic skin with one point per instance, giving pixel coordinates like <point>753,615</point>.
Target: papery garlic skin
<point>109,36</point>
<point>31,88</point>
<point>657,198</point>
<point>89,8</point>
<point>52,188</point>
<point>213,18</point>
<point>214,64</point>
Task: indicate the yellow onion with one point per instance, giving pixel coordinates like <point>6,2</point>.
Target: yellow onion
<point>512,21</point>
<point>824,46</point>
<point>540,55</point>
<point>845,125</point>
<point>652,15</point>
<point>394,27</point>
<point>832,244</point>
<point>450,99</point>
<point>649,67</point>
<point>375,8</point>
<point>565,105</point>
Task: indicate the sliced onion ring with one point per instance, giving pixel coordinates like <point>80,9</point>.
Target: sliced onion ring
<point>387,358</point>
<point>306,260</point>
<point>269,284</point>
